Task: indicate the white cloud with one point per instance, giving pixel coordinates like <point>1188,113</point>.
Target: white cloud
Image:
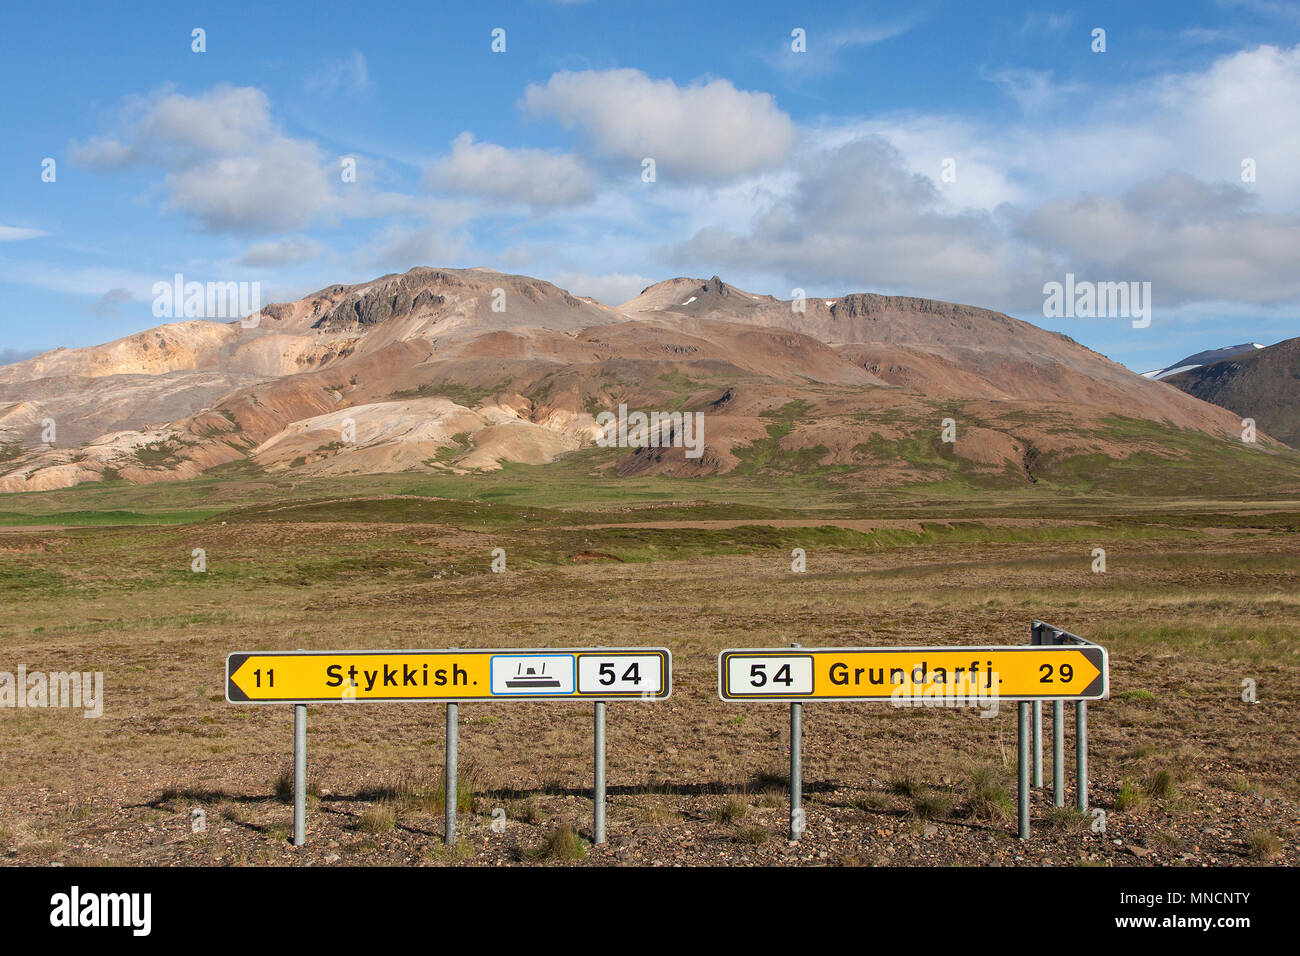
<point>87,281</point>
<point>227,163</point>
<point>1140,184</point>
<point>348,75</point>
<point>172,129</point>
<point>1032,90</point>
<point>104,153</point>
<point>613,289</point>
<point>1203,123</point>
<point>277,187</point>
<point>399,248</point>
<point>532,176</point>
<point>1045,22</point>
<point>17,233</point>
<point>1068,140</point>
<point>225,120</point>
<point>1146,188</point>
<point>708,131</point>
<point>825,47</point>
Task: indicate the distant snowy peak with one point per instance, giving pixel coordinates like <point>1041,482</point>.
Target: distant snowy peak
<point>1208,357</point>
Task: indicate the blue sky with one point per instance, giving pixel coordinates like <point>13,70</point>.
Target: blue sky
<point>820,170</point>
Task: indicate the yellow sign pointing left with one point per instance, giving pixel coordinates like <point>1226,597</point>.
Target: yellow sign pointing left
<point>322,677</point>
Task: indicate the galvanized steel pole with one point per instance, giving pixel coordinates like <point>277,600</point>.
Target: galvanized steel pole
<point>1022,766</point>
<point>599,795</point>
<point>1038,743</point>
<point>1058,752</point>
<point>449,832</point>
<point>1081,752</point>
<point>796,769</point>
<point>299,774</point>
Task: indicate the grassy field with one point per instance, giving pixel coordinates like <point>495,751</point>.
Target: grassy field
<point>1198,596</point>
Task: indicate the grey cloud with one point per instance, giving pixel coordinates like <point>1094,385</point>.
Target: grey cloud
<point>1193,241</point>
<point>10,356</point>
<point>282,252</point>
<point>111,301</point>
<point>857,218</point>
<point>400,248</point>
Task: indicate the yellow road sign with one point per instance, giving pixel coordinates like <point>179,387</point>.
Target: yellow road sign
<point>971,675</point>
<point>323,677</point>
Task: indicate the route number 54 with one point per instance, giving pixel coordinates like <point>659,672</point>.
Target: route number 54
<point>609,676</point>
<point>758,675</point>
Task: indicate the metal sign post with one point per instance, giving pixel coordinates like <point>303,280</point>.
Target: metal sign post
<point>598,796</point>
<point>1047,635</point>
<point>1041,634</point>
<point>448,677</point>
<point>1058,752</point>
<point>1038,744</point>
<point>796,769</point>
<point>1081,753</point>
<point>299,774</point>
<point>450,773</point>
<point>1022,767</point>
<point>1064,667</point>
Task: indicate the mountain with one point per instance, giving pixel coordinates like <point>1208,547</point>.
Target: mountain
<point>1207,357</point>
<point>1263,385</point>
<point>457,370</point>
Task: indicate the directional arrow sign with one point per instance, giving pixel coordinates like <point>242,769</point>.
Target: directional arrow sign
<point>915,675</point>
<point>325,677</point>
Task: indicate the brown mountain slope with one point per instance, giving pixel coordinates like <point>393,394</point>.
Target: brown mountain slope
<point>1263,385</point>
<point>454,370</point>
<point>938,348</point>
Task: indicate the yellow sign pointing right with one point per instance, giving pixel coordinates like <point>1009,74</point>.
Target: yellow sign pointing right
<point>915,674</point>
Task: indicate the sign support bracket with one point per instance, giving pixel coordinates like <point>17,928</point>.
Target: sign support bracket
<point>1046,634</point>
